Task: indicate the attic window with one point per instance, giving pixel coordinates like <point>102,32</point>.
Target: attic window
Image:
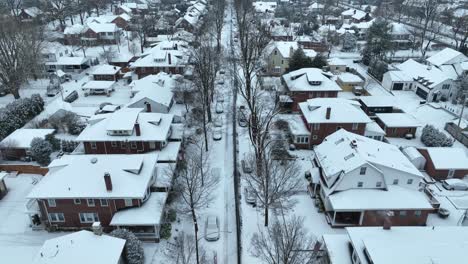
<point>349,156</point>
<point>315,83</point>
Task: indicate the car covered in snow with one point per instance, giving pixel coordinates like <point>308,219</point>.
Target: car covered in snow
<point>212,228</point>
<point>455,185</point>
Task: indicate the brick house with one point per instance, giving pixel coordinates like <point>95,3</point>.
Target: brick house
<point>311,43</point>
<point>324,116</point>
<point>127,131</point>
<point>365,181</point>
<point>106,73</point>
<point>79,190</point>
<point>17,145</point>
<point>377,104</point>
<point>100,33</point>
<point>131,9</point>
<point>72,34</point>
<point>167,56</point>
<point>445,162</point>
<point>308,83</point>
<point>398,124</point>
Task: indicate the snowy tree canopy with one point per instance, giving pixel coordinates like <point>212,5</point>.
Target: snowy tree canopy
<point>432,137</point>
<point>41,150</point>
<point>134,253</point>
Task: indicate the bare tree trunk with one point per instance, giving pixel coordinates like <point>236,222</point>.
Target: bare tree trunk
<point>195,226</point>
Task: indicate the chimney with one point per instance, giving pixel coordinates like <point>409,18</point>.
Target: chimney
<point>354,11</point>
<point>387,225</point>
<point>148,107</point>
<point>169,58</point>
<point>327,115</point>
<point>137,129</point>
<point>97,228</point>
<point>108,181</point>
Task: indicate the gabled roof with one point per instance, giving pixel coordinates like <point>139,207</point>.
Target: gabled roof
<point>106,69</point>
<point>158,56</point>
<point>157,88</point>
<point>285,48</point>
<point>153,126</point>
<point>82,176</point>
<point>74,29</point>
<point>81,247</point>
<point>310,79</point>
<point>102,27</point>
<point>344,151</point>
<point>341,111</point>
<point>21,138</point>
<point>447,56</point>
<point>429,76</point>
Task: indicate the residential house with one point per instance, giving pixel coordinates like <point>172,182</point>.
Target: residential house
<point>315,43</point>
<point>278,54</point>
<point>281,32</point>
<point>126,131</point>
<point>378,104</point>
<point>324,116</point>
<point>153,93</point>
<point>3,187</point>
<point>337,65</point>
<point>192,19</point>
<point>80,190</point>
<point>452,62</point>
<point>445,162</point>
<point>316,8</point>
<point>82,247</point>
<point>401,125</point>
<point>100,33</point>
<point>132,9</point>
<point>122,21</point>
<point>122,60</point>
<point>355,15</point>
<point>106,72</point>
<point>17,145</point>
<point>364,182</point>
<point>28,14</point>
<point>401,37</point>
<point>98,88</point>
<point>167,56</point>
<point>72,34</point>
<point>348,81</point>
<point>69,64</point>
<point>395,80</point>
<point>264,7</point>
<point>397,244</point>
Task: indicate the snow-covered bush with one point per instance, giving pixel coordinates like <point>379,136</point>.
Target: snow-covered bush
<point>133,253</point>
<point>432,137</point>
<point>17,113</point>
<point>54,142</point>
<point>69,145</point>
<point>41,150</point>
<point>349,42</point>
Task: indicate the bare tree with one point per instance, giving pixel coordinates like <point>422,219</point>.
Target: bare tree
<point>108,53</point>
<point>217,15</point>
<point>204,61</point>
<point>142,25</point>
<point>186,251</point>
<point>277,183</point>
<point>14,7</point>
<point>195,187</point>
<point>460,30</point>
<point>285,242</point>
<point>20,46</point>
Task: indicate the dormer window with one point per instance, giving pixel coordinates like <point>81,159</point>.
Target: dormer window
<point>315,83</point>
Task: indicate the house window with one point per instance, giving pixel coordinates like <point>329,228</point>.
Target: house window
<point>360,184</point>
<point>316,126</point>
<point>363,170</point>
<point>123,145</point>
<point>314,137</point>
<point>114,144</point>
<point>276,52</point>
<point>410,181</point>
<point>355,126</point>
<point>90,202</point>
<point>445,86</point>
<point>93,145</point>
<point>89,217</point>
<point>56,217</point>
<point>77,201</point>
<point>133,145</point>
<point>395,182</point>
<point>402,213</point>
<point>378,184</point>
<point>152,145</point>
<point>104,202</point>
<point>417,213</point>
<point>128,202</point>
<point>51,202</point>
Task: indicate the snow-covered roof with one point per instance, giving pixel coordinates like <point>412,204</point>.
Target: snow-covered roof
<point>3,175</point>
<point>158,56</point>
<point>73,29</point>
<point>157,88</point>
<point>395,197</point>
<point>31,11</point>
<point>64,61</point>
<point>341,111</point>
<point>309,79</point>
<point>81,247</point>
<point>316,5</point>
<point>346,151</point>
<point>103,27</point>
<point>82,176</point>
<point>447,56</point>
<point>170,152</point>
<point>378,100</point>
<point>336,62</point>
<point>337,248</point>
<point>153,126</point>
<point>359,15</point>
<point>398,120</point>
<point>429,76</point>
<point>399,76</point>
<point>348,77</point>
<point>352,12</point>
<point>399,29</point>
<point>296,125</point>
<point>134,6</point>
<point>21,138</point>
<point>446,158</point>
<point>148,214</point>
<point>106,69</point>
<point>98,85</point>
<point>264,7</point>
<point>286,48</point>
<point>374,128</point>
<point>409,245</point>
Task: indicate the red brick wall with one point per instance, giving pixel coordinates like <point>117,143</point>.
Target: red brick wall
<point>327,129</point>
<point>143,72</point>
<point>107,148</point>
<point>299,97</point>
<point>120,22</point>
<point>71,211</point>
<point>396,131</point>
<point>439,174</point>
<point>373,218</point>
<point>106,77</point>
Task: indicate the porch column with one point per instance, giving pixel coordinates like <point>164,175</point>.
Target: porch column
<point>361,218</point>
<point>334,216</point>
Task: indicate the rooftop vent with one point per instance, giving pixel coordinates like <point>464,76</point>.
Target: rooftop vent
<point>94,160</point>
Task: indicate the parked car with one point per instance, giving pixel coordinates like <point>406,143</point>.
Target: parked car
<point>242,122</point>
<point>212,228</point>
<point>218,122</point>
<point>220,98</point>
<point>107,108</point>
<point>246,168</point>
<point>217,134</point>
<point>219,108</point>
<point>222,71</point>
<point>250,197</point>
<point>455,185</point>
<point>71,97</point>
<point>442,212</point>
<point>221,82</point>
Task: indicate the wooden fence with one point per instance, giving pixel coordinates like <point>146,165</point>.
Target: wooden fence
<point>24,168</point>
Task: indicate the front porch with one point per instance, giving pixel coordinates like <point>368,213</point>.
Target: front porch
<point>341,219</point>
